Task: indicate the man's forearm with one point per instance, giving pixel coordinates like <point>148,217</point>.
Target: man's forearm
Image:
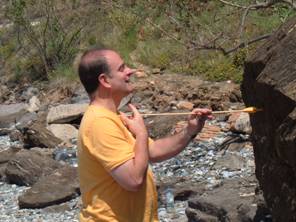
<point>168,147</point>
<point>141,158</point>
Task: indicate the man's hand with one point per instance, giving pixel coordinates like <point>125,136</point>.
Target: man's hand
<point>131,174</point>
<point>134,123</point>
<point>196,121</point>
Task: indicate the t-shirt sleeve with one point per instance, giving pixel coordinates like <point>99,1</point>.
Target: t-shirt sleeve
<point>109,144</point>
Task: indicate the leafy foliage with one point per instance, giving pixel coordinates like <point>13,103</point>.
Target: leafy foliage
<point>177,35</point>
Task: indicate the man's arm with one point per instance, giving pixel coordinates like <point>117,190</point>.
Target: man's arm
<point>130,175</point>
<point>168,147</point>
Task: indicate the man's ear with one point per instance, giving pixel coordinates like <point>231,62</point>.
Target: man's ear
<point>104,80</point>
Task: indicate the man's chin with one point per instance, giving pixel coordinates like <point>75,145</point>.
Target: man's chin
<point>131,89</point>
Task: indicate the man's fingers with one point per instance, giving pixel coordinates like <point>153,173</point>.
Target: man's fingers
<point>133,109</point>
<point>202,113</point>
<point>123,118</point>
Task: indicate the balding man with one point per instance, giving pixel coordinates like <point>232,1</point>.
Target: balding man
<point>114,150</point>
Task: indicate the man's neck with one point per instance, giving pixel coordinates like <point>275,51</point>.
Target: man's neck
<point>108,102</point>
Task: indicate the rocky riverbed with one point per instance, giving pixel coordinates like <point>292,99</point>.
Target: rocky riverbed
<point>213,179</point>
<point>202,167</point>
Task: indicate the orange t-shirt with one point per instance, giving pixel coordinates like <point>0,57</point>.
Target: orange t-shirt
<point>104,144</point>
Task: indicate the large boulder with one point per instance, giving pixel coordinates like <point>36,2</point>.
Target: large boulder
<point>270,83</point>
<point>62,185</point>
<point>5,156</point>
<point>65,113</point>
<point>235,201</point>
<point>65,132</point>
<point>36,135</point>
<point>27,166</point>
<point>10,114</point>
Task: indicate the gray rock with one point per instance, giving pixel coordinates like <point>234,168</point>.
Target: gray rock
<point>29,93</point>
<point>65,113</point>
<point>226,204</point>
<point>65,132</point>
<point>230,161</point>
<point>10,114</point>
<point>80,96</point>
<point>7,154</point>
<point>61,186</point>
<point>34,104</point>
<point>26,120</point>
<point>26,167</point>
<point>242,124</point>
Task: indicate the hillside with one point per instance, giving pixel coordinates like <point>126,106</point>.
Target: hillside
<point>210,39</point>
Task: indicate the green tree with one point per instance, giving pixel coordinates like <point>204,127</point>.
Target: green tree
<point>44,32</point>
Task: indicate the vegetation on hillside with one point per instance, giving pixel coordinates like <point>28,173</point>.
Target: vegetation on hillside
<point>209,38</point>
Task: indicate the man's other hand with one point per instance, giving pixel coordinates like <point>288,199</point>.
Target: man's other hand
<point>197,119</point>
<point>134,123</point>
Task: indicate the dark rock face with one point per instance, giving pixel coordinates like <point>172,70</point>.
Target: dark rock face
<point>270,83</point>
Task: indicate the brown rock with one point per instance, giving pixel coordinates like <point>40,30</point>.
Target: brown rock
<point>36,135</point>
<point>26,167</point>
<point>240,122</point>
<point>185,105</point>
<point>140,73</point>
<point>208,132</point>
<point>61,186</point>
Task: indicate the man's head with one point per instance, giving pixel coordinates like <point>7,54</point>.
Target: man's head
<point>104,68</point>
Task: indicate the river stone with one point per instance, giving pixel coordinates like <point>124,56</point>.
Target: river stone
<point>10,114</point>
<point>36,135</point>
<point>270,83</point>
<point>65,113</point>
<point>65,132</point>
<point>26,167</point>
<point>61,186</point>
<point>34,104</point>
<point>230,161</point>
<point>197,215</point>
<point>240,123</point>
<point>26,120</point>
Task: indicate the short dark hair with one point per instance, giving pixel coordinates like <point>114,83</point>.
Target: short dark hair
<point>92,64</point>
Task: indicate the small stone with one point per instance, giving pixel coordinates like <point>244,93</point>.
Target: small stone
<point>185,105</point>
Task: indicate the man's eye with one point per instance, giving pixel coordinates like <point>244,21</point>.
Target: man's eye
<point>121,68</point>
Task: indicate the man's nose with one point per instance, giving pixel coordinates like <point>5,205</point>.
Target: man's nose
<point>131,71</point>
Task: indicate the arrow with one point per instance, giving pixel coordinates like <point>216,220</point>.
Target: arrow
<point>246,110</point>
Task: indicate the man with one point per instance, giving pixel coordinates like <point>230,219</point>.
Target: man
<point>114,150</point>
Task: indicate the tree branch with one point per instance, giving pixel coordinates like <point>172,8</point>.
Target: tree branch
<point>232,4</point>
<point>292,3</point>
<point>228,51</point>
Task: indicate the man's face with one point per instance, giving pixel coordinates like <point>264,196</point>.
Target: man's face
<point>119,75</point>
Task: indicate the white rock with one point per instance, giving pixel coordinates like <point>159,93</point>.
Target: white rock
<point>65,132</point>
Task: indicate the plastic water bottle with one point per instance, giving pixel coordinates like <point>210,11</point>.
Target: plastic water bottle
<point>169,198</point>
